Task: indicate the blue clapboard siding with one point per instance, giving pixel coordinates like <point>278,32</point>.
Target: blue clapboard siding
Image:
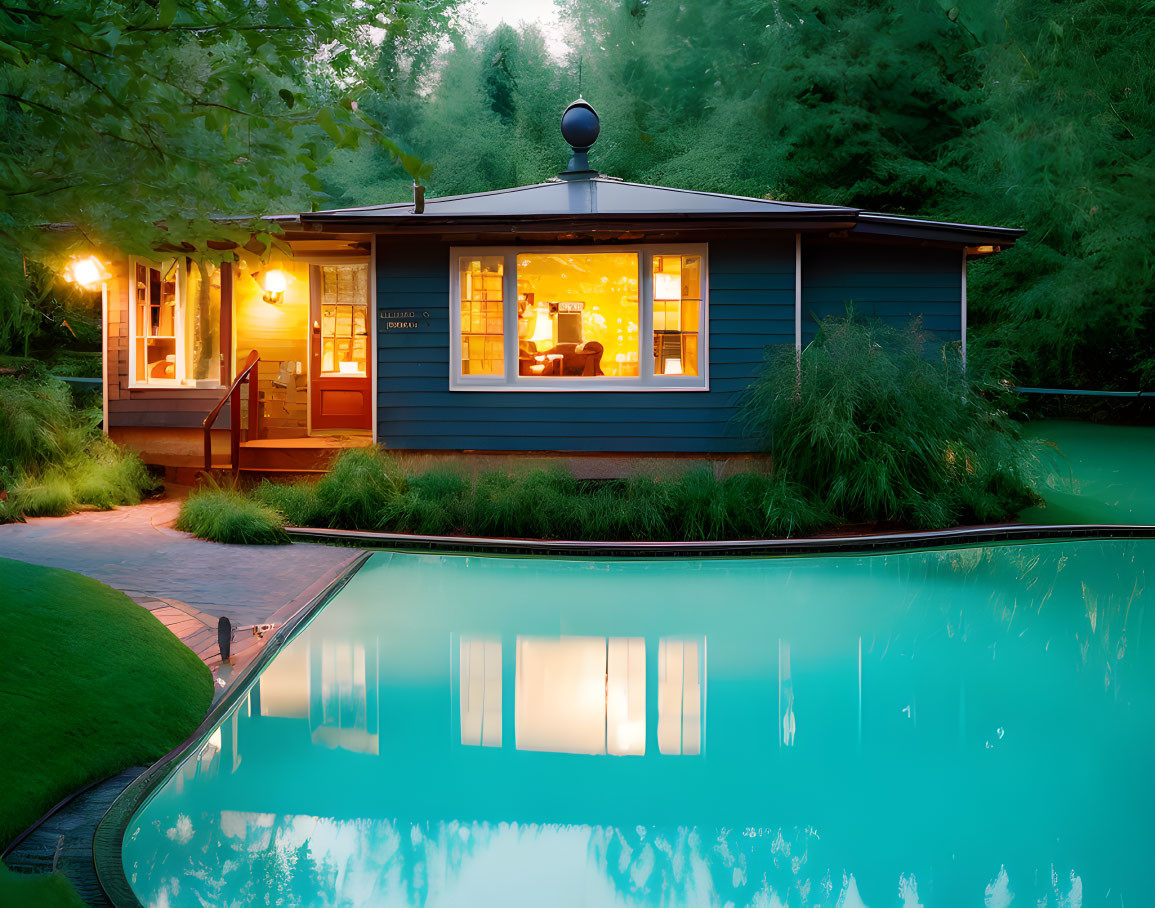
<point>894,283</point>
<point>751,306</point>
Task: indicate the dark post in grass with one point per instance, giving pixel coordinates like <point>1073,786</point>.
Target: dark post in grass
<point>224,637</point>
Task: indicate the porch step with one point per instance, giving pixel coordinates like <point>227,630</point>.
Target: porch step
<point>296,455</point>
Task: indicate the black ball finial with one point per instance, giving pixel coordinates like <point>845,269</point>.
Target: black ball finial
<point>580,125</point>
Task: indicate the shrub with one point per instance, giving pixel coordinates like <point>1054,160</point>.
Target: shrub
<point>108,477</point>
<point>297,503</point>
<point>37,422</point>
<point>536,504</point>
<point>551,504</point>
<point>10,511</point>
<point>52,455</point>
<point>438,503</point>
<point>883,424</point>
<point>225,514</point>
<point>363,491</point>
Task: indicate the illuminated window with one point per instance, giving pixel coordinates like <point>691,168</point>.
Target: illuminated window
<point>581,695</point>
<point>481,281</point>
<point>344,319</point>
<point>174,323</point>
<point>677,313</point>
<point>624,318</point>
<point>157,331</point>
<point>681,687</point>
<point>577,314</point>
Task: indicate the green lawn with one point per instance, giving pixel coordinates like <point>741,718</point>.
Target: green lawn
<point>90,683</point>
<point>1091,473</point>
<point>50,890</point>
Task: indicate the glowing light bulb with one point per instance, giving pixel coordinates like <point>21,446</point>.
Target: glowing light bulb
<point>87,272</point>
<point>275,285</point>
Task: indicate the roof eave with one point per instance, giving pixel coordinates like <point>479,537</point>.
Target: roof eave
<point>870,223</point>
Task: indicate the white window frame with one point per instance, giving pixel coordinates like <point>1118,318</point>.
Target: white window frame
<point>178,326</point>
<point>646,380</point>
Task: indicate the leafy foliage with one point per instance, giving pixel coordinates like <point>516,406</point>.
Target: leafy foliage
<point>882,424</point>
<point>146,126</point>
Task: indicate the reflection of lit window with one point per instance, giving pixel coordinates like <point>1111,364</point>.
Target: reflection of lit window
<point>581,695</point>
<point>786,722</point>
<point>343,718</point>
<point>681,672</point>
<point>480,692</point>
<point>285,683</point>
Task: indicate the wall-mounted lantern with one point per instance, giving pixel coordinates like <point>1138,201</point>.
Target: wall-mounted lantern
<point>87,272</point>
<point>273,285</point>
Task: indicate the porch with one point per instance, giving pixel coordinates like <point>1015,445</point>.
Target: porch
<point>257,365</point>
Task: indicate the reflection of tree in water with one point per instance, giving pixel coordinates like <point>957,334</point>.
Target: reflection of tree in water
<point>1068,603</point>
<point>765,867</point>
<point>244,859</point>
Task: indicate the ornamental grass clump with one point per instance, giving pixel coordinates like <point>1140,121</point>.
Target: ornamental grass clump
<point>437,503</point>
<point>226,514</point>
<point>880,424</point>
<point>53,457</point>
<point>535,504</point>
<point>297,502</point>
<point>364,490</point>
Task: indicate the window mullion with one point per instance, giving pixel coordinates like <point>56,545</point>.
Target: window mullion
<point>646,316</point>
<point>509,317</point>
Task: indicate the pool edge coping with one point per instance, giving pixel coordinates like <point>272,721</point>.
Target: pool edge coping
<point>863,544</point>
<point>108,837</point>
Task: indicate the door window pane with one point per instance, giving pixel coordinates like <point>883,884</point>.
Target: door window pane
<point>344,317</point>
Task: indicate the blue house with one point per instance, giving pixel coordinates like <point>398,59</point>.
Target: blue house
<point>584,315</point>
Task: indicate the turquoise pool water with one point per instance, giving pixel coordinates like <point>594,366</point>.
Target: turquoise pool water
<point>957,727</point>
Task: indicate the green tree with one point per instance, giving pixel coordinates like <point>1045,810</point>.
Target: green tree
<point>1064,145</point>
<point>139,125</point>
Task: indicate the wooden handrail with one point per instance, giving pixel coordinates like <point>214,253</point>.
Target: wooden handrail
<point>234,400</point>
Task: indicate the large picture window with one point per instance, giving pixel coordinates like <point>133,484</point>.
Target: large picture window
<point>620,318</point>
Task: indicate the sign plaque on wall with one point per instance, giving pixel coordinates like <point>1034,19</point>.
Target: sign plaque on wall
<point>402,319</point>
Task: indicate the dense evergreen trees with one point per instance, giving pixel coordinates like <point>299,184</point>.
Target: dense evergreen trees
<point>1018,112</point>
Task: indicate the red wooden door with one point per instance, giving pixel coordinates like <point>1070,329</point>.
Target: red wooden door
<point>340,352</point>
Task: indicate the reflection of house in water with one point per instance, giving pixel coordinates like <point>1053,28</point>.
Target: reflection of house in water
<point>583,695</point>
<point>332,684</point>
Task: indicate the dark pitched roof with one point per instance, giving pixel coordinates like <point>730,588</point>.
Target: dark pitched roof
<point>604,198</point>
<point>596,196</point>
